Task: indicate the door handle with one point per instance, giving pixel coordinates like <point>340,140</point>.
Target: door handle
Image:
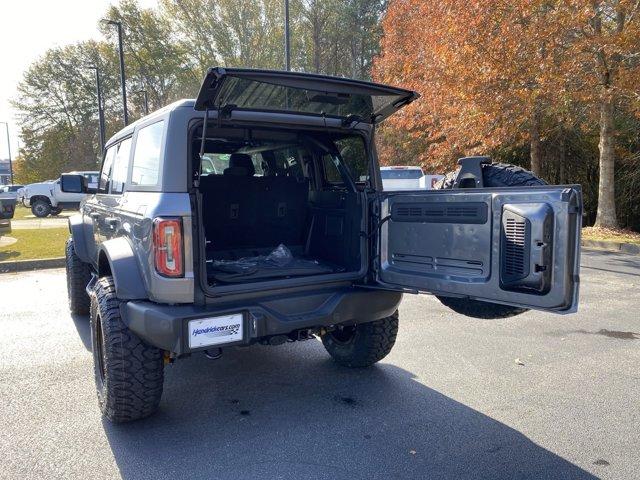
<point>112,221</point>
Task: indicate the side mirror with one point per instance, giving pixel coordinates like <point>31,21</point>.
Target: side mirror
<point>70,183</point>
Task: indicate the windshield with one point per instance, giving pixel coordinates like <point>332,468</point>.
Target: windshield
<point>401,174</point>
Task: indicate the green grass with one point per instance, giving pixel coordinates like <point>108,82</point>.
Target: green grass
<point>35,244</point>
<point>21,213</point>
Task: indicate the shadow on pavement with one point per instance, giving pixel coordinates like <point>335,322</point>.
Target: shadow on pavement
<point>291,413</point>
<point>83,327</point>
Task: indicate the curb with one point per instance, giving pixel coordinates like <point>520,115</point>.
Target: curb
<point>631,248</point>
<point>26,265</point>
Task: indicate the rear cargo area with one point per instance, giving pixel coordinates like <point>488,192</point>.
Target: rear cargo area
<point>269,212</point>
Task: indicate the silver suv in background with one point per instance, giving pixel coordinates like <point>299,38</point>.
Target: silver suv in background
<point>256,214</point>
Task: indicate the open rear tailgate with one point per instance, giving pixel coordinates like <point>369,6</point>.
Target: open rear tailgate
<point>301,93</point>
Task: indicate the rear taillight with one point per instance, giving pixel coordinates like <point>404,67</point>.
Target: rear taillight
<point>167,245</point>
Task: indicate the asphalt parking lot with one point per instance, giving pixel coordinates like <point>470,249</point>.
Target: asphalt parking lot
<point>451,401</point>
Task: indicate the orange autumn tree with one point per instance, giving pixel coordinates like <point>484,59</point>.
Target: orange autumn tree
<point>599,50</point>
<point>496,72</point>
<point>481,67</point>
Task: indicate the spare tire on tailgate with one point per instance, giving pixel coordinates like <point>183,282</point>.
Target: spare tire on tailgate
<point>493,175</point>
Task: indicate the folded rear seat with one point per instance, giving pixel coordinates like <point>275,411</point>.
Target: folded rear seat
<point>242,211</point>
<point>283,214</point>
<point>228,212</point>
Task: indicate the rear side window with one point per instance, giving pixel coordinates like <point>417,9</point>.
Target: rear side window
<point>287,162</point>
<point>146,158</point>
<point>331,172</point>
<point>355,157</point>
<point>121,167</point>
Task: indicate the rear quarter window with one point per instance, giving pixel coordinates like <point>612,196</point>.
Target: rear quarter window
<point>146,158</point>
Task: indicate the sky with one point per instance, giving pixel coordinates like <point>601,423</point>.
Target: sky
<point>27,29</point>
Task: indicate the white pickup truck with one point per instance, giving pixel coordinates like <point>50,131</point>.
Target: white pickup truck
<point>46,198</point>
<point>407,178</point>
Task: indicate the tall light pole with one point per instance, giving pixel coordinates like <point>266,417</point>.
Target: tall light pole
<point>9,150</point>
<point>100,109</point>
<point>287,39</point>
<point>145,99</point>
<point>123,82</point>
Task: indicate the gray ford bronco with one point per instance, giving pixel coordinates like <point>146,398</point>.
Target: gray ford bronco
<point>256,214</point>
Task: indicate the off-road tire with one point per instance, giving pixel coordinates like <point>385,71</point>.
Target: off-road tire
<point>129,373</point>
<point>78,277</point>
<point>41,208</point>
<point>56,211</point>
<point>494,175</point>
<point>365,344</point>
<point>497,175</point>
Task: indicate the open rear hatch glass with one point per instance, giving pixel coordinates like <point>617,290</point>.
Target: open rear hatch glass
<point>300,93</point>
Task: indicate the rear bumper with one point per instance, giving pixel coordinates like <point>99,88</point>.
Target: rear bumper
<point>166,326</point>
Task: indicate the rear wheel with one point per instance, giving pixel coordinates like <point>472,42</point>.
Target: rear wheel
<point>494,175</point>
<point>41,208</point>
<point>364,344</point>
<point>78,277</point>
<point>129,373</point>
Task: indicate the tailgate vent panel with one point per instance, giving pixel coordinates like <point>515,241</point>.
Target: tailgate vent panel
<point>441,212</point>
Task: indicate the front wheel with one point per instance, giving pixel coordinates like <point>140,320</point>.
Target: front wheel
<point>40,208</point>
<point>494,175</point>
<point>364,344</point>
<point>129,373</point>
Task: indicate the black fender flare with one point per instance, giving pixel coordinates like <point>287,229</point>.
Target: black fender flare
<point>117,258</point>
<point>79,235</point>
